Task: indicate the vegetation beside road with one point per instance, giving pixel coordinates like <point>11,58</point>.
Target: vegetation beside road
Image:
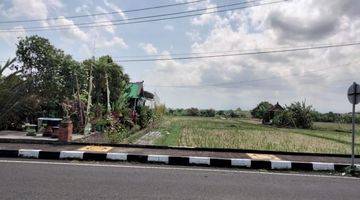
<point>238,133</point>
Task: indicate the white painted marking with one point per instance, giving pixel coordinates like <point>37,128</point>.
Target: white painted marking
<point>173,168</point>
<point>277,164</point>
<point>199,160</point>
<point>116,156</point>
<point>319,166</point>
<point>158,158</point>
<point>29,153</point>
<point>72,154</point>
<point>239,162</point>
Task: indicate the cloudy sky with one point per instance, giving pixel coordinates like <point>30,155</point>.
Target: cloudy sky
<point>320,77</point>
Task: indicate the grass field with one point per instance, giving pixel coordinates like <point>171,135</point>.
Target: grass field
<point>245,134</point>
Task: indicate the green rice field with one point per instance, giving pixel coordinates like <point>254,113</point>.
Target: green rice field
<point>249,134</point>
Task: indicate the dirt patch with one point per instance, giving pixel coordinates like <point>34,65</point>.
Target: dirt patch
<point>149,138</point>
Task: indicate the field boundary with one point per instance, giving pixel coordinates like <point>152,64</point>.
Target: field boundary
<point>174,160</point>
<point>228,150</point>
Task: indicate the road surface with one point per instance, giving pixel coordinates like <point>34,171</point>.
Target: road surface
<point>31,179</point>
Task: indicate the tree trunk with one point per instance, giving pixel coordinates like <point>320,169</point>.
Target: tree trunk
<point>87,120</point>
<point>80,107</point>
<point>107,93</point>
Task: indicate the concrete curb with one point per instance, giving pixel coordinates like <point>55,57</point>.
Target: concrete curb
<point>229,150</point>
<point>174,160</point>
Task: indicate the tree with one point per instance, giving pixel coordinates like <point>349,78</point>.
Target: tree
<point>49,72</point>
<point>109,79</point>
<point>260,110</point>
<point>192,112</point>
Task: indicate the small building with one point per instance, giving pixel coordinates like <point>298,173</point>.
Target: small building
<point>270,114</point>
<point>137,97</point>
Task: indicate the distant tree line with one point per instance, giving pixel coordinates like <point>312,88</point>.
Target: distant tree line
<point>334,117</point>
<point>237,113</point>
<point>299,115</point>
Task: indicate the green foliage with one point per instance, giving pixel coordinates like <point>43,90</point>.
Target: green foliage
<point>117,79</point>
<point>334,117</point>
<point>297,115</point>
<point>50,69</point>
<point>120,106</point>
<point>176,112</point>
<point>116,133</point>
<point>238,113</point>
<point>145,116</point>
<point>260,110</point>
<point>207,113</point>
<point>159,112</point>
<point>46,77</point>
<point>192,112</point>
<point>284,119</point>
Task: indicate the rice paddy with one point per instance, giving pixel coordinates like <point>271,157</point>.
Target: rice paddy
<point>237,133</point>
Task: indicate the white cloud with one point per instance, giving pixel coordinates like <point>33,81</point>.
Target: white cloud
<point>115,42</point>
<point>74,32</point>
<point>11,38</point>
<point>292,76</point>
<point>148,48</point>
<point>193,35</point>
<point>31,8</point>
<point>115,8</point>
<point>105,19</point>
<point>205,19</point>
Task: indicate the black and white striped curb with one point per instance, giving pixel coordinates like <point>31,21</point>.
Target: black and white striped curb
<point>175,160</point>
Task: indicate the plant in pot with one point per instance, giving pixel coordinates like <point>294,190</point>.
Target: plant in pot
<point>66,126</point>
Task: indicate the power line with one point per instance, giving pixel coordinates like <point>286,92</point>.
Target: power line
<point>141,21</point>
<point>240,52</point>
<point>244,53</point>
<point>103,13</point>
<point>218,52</point>
<point>138,18</point>
<point>251,80</point>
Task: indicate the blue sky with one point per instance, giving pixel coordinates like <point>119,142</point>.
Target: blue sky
<point>319,77</point>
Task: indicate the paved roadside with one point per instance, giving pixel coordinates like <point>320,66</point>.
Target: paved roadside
<point>174,152</point>
<point>24,179</point>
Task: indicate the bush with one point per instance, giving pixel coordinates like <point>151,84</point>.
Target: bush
<point>145,115</point>
<point>207,113</point>
<point>116,133</point>
<point>284,119</point>
<point>159,112</point>
<point>231,114</point>
<point>192,112</point>
<point>260,110</point>
<point>297,115</point>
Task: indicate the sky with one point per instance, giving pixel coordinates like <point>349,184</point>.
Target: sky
<point>319,76</point>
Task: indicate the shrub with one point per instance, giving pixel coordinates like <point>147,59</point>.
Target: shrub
<point>159,111</point>
<point>231,114</point>
<point>220,112</point>
<point>145,115</point>
<point>284,119</point>
<point>207,113</point>
<point>192,112</point>
<point>116,133</point>
<point>260,110</point>
<point>297,115</point>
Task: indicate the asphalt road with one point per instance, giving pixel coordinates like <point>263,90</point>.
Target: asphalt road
<point>31,179</point>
